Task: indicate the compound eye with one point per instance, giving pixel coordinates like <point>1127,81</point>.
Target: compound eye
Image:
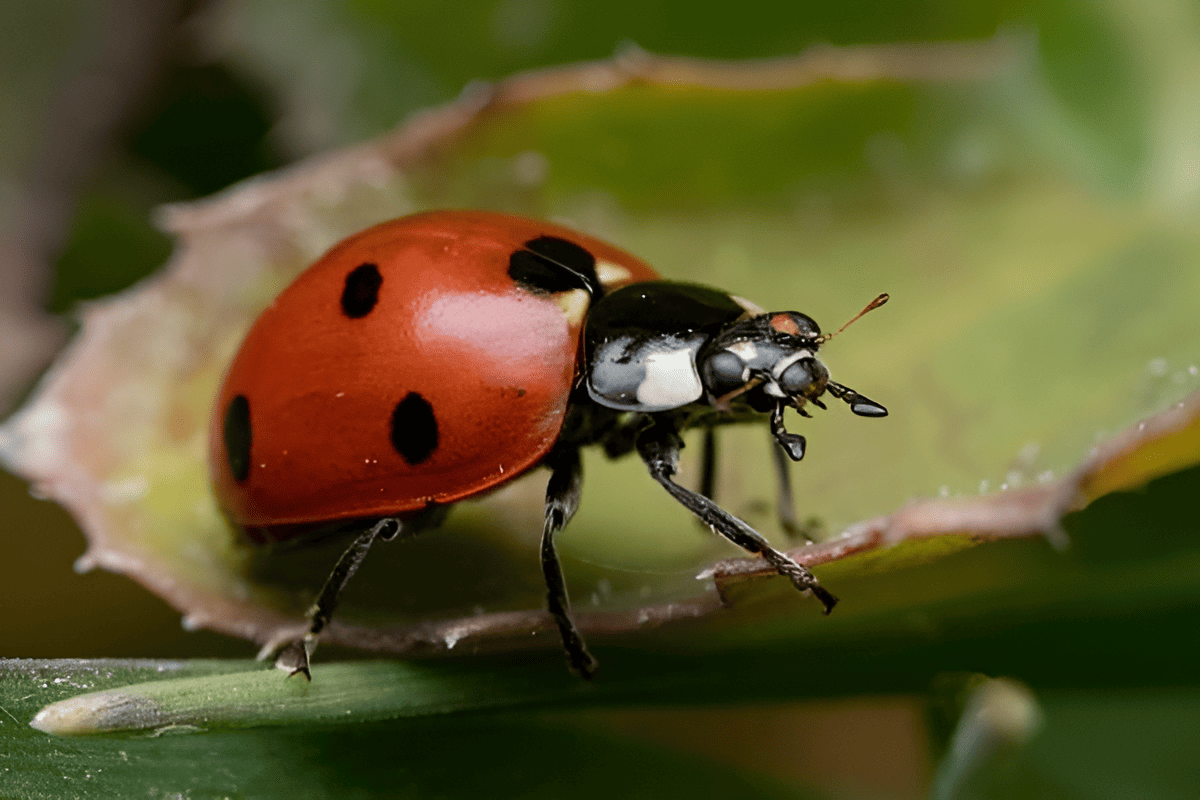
<point>800,376</point>
<point>723,373</point>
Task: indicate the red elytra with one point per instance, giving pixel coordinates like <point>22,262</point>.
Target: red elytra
<point>407,367</point>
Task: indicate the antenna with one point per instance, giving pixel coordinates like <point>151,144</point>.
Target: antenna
<point>871,306</point>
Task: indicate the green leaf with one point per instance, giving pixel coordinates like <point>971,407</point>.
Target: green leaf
<point>450,756</point>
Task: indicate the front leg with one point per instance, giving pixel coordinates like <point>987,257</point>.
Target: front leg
<point>659,447</point>
<point>791,443</point>
<point>785,507</point>
<point>562,499</point>
<point>809,530</point>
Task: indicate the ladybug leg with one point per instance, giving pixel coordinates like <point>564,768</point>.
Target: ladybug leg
<point>295,657</point>
<point>787,447</point>
<point>792,443</point>
<point>708,462</point>
<point>785,507</point>
<point>659,448</point>
<point>562,499</point>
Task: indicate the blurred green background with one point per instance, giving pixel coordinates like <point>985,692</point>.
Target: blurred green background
<point>108,109</point>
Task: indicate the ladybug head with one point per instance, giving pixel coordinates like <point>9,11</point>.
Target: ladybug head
<point>768,358</point>
<point>770,361</point>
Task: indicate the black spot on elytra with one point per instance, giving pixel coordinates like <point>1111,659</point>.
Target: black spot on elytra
<point>414,429</point>
<point>236,431</point>
<point>550,264</point>
<point>361,291</point>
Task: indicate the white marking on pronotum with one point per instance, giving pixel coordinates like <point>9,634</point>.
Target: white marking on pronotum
<point>610,273</point>
<point>574,305</point>
<point>671,380</point>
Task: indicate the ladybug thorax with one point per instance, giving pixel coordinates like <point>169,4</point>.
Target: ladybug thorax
<point>642,341</point>
<point>663,346</point>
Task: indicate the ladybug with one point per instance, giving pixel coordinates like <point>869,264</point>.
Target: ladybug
<point>436,357</point>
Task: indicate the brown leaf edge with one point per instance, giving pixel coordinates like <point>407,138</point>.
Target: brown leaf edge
<point>42,451</point>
